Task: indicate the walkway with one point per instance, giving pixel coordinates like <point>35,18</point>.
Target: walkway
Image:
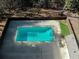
<point>75,25</point>
<point>72,47</point>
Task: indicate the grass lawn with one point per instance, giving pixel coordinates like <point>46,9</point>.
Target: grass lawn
<point>64,29</point>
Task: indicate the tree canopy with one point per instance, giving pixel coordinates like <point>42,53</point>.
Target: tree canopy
<point>64,4</point>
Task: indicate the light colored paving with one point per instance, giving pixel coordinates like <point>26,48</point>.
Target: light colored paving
<point>64,51</point>
<point>47,52</point>
<point>75,24</point>
<point>72,47</point>
<point>53,23</point>
<point>62,47</point>
<point>11,50</point>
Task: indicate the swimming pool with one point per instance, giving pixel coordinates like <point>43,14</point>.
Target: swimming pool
<point>35,34</point>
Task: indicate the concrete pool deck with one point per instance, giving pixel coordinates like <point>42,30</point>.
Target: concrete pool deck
<point>10,50</point>
<point>53,23</point>
<point>50,23</point>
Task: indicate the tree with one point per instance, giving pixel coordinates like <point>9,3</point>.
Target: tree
<point>75,5</point>
<point>68,4</point>
<point>72,5</point>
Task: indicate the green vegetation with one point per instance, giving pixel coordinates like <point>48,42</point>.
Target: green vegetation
<point>72,5</point>
<point>68,4</point>
<point>64,29</point>
<point>23,4</point>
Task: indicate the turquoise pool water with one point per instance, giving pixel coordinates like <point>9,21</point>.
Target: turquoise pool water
<point>35,34</point>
